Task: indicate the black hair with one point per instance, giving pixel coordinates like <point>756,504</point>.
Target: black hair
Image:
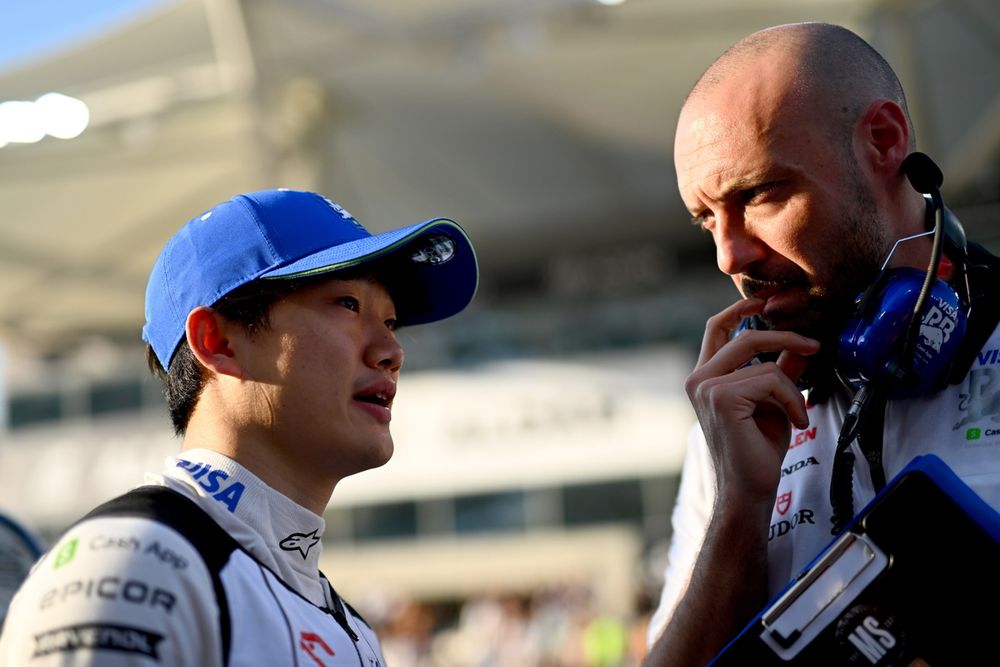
<point>248,305</point>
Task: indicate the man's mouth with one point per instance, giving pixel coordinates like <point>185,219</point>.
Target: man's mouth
<point>763,292</point>
<point>375,399</point>
<point>379,395</point>
<point>765,289</point>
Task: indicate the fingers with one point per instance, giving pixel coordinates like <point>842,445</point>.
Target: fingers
<point>746,409</point>
<point>793,365</point>
<point>742,391</point>
<point>795,348</point>
<point>720,327</point>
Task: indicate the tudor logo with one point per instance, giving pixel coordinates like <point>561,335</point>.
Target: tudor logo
<point>801,517</point>
<point>301,542</point>
<point>783,502</point>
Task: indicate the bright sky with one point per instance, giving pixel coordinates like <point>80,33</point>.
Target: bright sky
<point>30,29</point>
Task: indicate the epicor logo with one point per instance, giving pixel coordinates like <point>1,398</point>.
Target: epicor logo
<point>132,591</point>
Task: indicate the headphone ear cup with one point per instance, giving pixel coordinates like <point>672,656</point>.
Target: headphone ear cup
<point>872,342</point>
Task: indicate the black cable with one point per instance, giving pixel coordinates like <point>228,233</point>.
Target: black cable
<point>842,489</point>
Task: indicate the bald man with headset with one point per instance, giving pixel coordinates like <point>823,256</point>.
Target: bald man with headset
<point>795,151</point>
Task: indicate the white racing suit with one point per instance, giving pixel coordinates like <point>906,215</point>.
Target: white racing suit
<point>204,566</point>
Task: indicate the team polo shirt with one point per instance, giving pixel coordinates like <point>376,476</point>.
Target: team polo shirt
<point>205,565</point>
<point>960,424</point>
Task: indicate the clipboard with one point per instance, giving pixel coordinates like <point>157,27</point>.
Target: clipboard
<point>914,576</point>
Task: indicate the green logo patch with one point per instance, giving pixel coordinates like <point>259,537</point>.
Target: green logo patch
<point>65,554</point>
<point>973,434</point>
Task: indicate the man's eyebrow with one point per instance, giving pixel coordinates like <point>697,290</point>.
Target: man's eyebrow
<point>742,183</point>
<point>727,189</point>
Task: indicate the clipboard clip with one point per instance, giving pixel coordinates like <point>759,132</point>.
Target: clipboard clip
<point>821,594</point>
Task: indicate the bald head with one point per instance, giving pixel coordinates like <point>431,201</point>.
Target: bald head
<point>789,152</point>
<point>826,69</point>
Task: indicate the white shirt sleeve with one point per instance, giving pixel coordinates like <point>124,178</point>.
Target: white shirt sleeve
<point>116,592</point>
<point>689,521</point>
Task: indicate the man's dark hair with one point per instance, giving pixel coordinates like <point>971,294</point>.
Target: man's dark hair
<point>250,305</point>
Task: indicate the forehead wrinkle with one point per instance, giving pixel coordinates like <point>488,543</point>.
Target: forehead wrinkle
<point>707,160</point>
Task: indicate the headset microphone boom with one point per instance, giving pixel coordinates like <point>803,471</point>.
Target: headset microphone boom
<point>906,329</point>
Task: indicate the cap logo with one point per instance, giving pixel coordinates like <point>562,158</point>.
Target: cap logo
<point>343,213</point>
<point>434,251</point>
<point>207,216</point>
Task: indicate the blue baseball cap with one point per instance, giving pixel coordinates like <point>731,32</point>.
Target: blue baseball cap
<point>284,234</point>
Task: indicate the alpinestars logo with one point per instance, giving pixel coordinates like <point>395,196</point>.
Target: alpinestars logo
<point>301,542</point>
<point>106,636</point>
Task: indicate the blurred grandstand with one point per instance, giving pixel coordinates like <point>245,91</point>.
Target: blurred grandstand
<point>539,435</point>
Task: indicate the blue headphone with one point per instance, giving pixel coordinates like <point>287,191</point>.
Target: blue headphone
<point>908,324</point>
<point>904,334</point>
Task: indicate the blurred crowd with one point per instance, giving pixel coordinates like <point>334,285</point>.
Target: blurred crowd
<point>556,628</point>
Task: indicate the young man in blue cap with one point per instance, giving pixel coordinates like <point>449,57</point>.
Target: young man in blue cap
<point>272,319</point>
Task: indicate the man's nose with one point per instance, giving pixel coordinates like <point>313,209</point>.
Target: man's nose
<point>386,352</point>
<point>736,247</point>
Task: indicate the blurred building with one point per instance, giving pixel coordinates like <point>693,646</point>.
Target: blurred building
<point>539,434</point>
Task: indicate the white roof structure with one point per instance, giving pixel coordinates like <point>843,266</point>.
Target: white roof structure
<point>538,124</point>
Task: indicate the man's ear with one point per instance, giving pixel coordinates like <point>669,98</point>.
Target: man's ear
<point>884,137</point>
<point>208,337</point>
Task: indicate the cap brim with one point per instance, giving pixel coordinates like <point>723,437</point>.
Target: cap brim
<point>444,288</point>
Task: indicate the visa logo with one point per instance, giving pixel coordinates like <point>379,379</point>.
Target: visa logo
<point>213,481</point>
<point>989,357</point>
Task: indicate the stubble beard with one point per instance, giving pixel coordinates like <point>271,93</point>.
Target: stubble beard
<point>854,264</point>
